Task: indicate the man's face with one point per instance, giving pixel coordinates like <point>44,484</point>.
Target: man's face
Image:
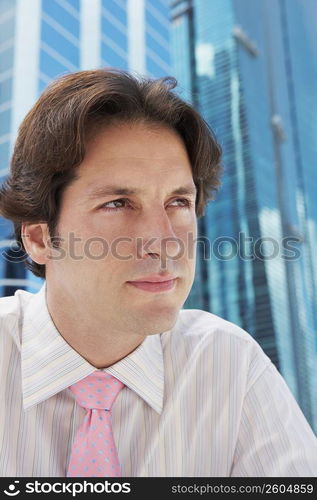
<point>110,239</point>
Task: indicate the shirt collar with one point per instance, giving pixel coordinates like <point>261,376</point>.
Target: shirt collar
<point>49,364</point>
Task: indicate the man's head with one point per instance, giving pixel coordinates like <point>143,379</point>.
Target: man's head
<point>90,135</point>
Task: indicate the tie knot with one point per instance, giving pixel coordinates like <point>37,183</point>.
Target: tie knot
<point>98,390</point>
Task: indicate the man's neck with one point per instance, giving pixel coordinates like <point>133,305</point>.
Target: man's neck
<point>100,345</point>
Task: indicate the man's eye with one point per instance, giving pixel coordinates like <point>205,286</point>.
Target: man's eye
<point>184,203</point>
<point>105,206</point>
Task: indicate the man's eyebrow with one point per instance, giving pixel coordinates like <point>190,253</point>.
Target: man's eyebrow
<point>101,191</point>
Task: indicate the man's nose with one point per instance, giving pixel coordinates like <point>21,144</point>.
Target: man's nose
<point>156,237</point>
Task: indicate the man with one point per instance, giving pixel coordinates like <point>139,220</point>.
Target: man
<point>108,177</point>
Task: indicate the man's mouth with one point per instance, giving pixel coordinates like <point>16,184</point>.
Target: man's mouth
<point>154,286</point>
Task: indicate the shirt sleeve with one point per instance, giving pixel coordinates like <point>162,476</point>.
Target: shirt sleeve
<point>274,439</point>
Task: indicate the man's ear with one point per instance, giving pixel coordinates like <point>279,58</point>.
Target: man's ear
<point>35,238</point>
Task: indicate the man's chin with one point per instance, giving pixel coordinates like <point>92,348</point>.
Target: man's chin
<point>159,320</point>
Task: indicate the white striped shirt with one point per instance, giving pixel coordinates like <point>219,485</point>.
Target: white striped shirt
<point>201,399</point>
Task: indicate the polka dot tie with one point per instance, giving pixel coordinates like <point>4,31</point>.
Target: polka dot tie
<point>94,452</point>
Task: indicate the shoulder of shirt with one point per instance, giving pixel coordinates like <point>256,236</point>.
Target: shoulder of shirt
<point>13,304</point>
<point>11,314</point>
<point>205,333</point>
<point>198,323</point>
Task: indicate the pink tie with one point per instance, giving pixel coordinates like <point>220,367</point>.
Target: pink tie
<point>94,452</point>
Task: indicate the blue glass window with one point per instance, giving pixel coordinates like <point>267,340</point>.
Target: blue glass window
<point>159,5</point>
<point>116,10</point>
<point>5,121</point>
<point>6,59</point>
<point>63,17</point>
<point>155,23</point>
<point>112,58</point>
<point>42,85</point>
<point>157,48</point>
<point>156,70</point>
<point>5,90</point>
<point>38,282</point>
<point>112,32</point>
<point>59,43</point>
<point>6,30</point>
<point>6,5</point>
<point>74,3</point>
<point>4,155</point>
<point>50,67</point>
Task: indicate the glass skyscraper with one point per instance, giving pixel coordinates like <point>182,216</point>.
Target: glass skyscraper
<point>250,68</point>
<point>42,39</point>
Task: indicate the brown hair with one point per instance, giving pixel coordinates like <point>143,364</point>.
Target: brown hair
<point>51,140</point>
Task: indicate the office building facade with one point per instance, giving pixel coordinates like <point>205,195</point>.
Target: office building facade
<point>245,70</point>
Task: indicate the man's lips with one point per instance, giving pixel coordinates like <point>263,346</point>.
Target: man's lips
<point>154,286</point>
<point>154,278</point>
